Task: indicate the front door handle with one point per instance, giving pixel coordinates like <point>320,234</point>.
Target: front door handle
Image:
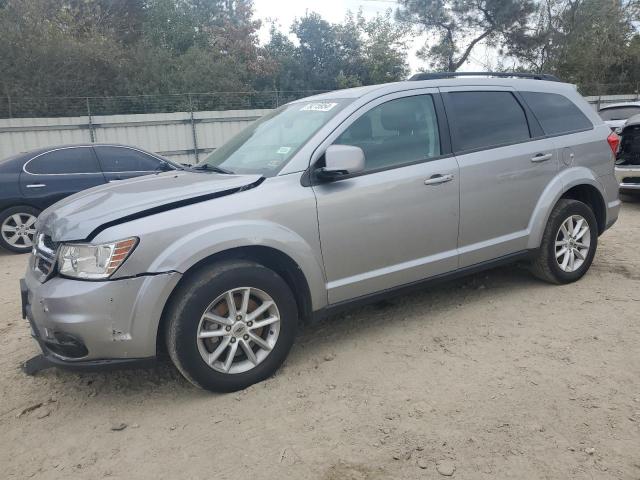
<point>36,185</point>
<point>541,157</point>
<point>438,179</point>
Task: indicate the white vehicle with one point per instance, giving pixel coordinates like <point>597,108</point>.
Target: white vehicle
<point>616,114</point>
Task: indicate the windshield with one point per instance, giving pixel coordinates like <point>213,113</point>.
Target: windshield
<point>619,113</point>
<point>265,146</point>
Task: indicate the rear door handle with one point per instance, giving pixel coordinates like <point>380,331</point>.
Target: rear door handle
<point>36,185</point>
<point>438,179</point>
<point>541,157</point>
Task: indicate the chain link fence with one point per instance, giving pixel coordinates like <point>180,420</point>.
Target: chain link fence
<point>33,107</point>
<point>30,107</point>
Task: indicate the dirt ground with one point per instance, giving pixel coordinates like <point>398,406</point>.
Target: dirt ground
<point>493,376</point>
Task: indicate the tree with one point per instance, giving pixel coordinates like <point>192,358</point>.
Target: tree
<point>358,51</point>
<point>384,48</point>
<point>588,42</point>
<point>459,25</point>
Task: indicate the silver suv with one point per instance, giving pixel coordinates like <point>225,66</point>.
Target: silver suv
<point>328,201</point>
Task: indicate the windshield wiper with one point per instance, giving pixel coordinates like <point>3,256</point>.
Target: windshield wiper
<point>212,168</point>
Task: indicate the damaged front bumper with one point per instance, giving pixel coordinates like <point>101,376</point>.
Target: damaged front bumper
<point>90,324</point>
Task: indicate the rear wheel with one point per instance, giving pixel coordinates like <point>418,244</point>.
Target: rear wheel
<point>17,228</point>
<point>569,243</point>
<point>231,325</point>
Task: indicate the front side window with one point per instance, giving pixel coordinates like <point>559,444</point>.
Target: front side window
<point>397,132</point>
<point>64,161</point>
<point>556,113</point>
<point>265,146</point>
<point>119,159</point>
<point>486,120</point>
<point>619,113</point>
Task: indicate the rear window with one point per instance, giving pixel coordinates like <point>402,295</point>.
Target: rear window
<point>618,113</point>
<point>122,159</point>
<point>65,160</point>
<point>556,113</point>
<point>486,119</point>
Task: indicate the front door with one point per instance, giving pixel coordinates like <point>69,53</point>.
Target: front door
<point>397,222</point>
<point>58,173</point>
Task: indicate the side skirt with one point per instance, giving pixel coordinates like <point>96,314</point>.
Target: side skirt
<point>407,288</point>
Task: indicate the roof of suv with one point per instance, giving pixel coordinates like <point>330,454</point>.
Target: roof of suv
<point>518,83</point>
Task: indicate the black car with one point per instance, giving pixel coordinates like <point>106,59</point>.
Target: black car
<point>31,181</point>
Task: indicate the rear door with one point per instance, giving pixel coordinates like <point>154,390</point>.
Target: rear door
<point>505,165</point>
<point>120,162</point>
<point>58,173</point>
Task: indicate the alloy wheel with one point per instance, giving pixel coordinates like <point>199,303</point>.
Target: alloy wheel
<point>238,330</point>
<point>18,230</point>
<point>573,242</point>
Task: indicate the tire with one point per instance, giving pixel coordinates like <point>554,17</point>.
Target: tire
<point>21,218</point>
<point>199,294</point>
<point>545,266</point>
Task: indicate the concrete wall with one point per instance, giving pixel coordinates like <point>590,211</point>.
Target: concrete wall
<point>178,136</point>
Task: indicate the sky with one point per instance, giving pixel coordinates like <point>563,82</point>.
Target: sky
<point>285,11</point>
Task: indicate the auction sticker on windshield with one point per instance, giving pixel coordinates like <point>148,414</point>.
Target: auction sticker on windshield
<point>318,107</point>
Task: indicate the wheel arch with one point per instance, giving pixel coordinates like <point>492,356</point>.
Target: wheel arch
<point>272,258</point>
<point>591,196</point>
<point>577,183</point>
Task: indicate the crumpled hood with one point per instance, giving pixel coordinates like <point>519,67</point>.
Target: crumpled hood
<point>82,215</point>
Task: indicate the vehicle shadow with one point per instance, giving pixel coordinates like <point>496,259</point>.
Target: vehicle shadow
<point>630,199</point>
<point>315,341</point>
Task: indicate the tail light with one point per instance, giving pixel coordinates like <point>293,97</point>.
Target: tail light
<point>614,142</point>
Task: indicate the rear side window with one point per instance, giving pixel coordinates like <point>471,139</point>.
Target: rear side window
<point>556,113</point>
<point>395,133</point>
<point>64,161</point>
<point>486,119</point>
<point>618,113</point>
<point>119,159</point>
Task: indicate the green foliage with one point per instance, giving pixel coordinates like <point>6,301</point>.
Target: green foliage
<point>459,25</point>
<point>357,52</point>
<point>77,48</point>
<point>589,42</point>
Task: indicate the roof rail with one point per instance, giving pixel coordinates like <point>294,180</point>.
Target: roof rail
<point>440,75</point>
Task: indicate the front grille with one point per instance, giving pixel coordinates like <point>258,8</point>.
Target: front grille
<point>44,265</point>
<point>45,252</point>
<point>48,243</point>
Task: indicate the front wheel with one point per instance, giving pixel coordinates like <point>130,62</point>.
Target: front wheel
<point>568,244</point>
<point>17,228</point>
<point>231,325</point>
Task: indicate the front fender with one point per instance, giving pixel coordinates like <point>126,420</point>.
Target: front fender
<point>564,181</point>
<point>196,246</point>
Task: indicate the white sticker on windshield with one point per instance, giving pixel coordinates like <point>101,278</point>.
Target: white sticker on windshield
<point>318,107</point>
<point>284,150</point>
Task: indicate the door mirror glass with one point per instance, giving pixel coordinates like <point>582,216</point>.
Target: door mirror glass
<point>342,160</point>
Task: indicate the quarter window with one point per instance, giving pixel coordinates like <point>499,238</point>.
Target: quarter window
<point>119,159</point>
<point>65,161</point>
<point>394,133</point>
<point>556,113</point>
<point>486,120</point>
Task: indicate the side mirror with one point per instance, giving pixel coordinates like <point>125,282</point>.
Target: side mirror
<point>341,160</point>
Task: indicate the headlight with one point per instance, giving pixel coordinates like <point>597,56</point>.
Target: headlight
<point>93,262</point>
